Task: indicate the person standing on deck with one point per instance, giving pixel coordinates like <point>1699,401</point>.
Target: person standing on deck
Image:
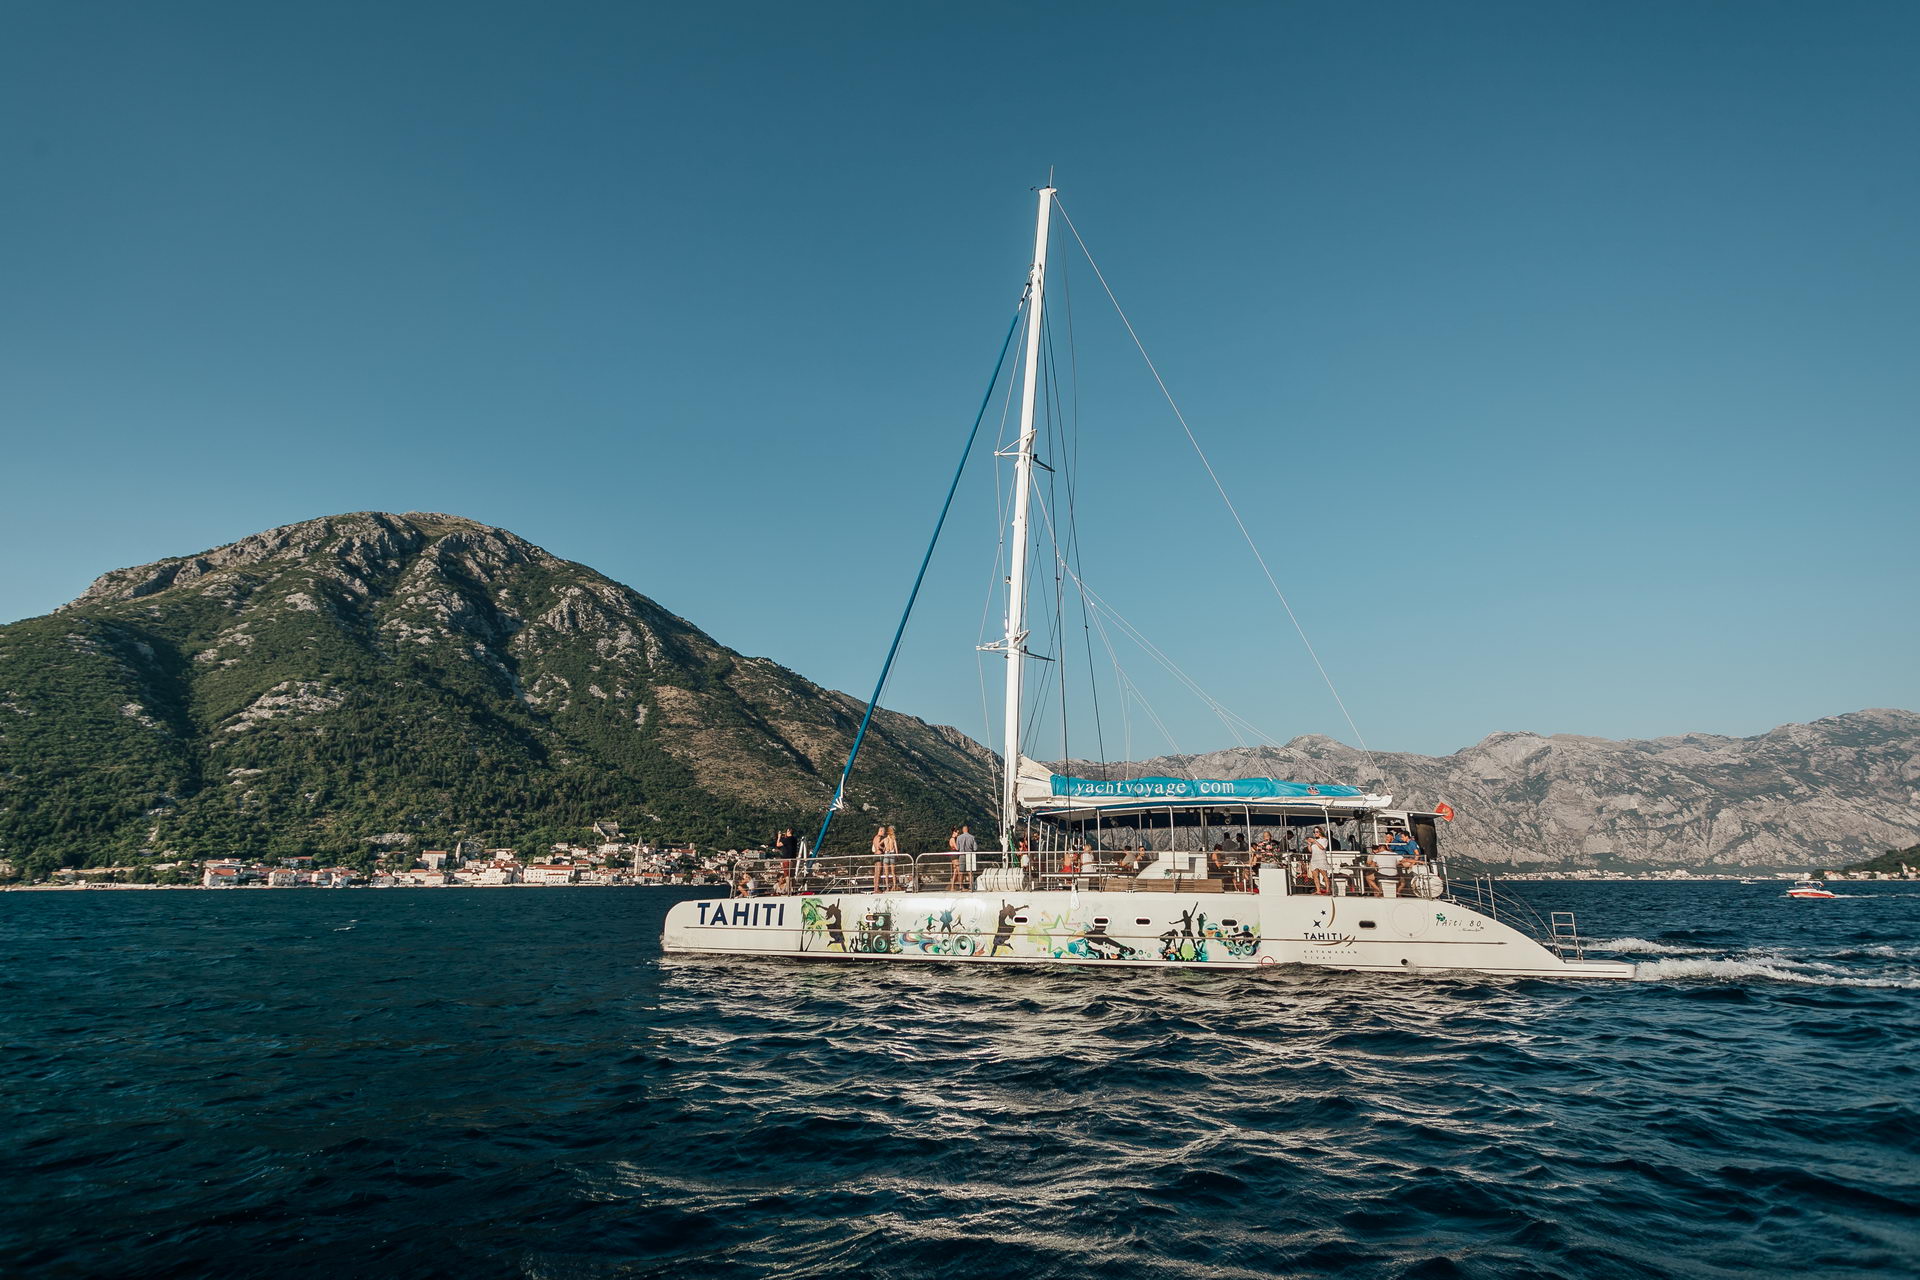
<point>963,849</point>
<point>1319,866</point>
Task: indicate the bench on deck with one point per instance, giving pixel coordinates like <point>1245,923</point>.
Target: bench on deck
<point>1159,884</point>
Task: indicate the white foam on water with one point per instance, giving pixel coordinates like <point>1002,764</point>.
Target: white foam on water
<point>1749,970</point>
<point>1875,896</point>
<point>1776,959</point>
<point>1882,951</point>
<point>1643,947</point>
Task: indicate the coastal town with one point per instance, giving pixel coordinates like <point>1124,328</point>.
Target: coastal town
<point>605,862</point>
<point>619,862</point>
<point>1682,873</point>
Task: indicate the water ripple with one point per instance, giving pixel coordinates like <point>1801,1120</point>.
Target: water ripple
<point>483,1084</point>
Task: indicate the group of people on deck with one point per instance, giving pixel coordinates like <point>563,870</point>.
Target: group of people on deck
<point>1387,865</point>
<point>886,856</point>
<point>1314,862</point>
<point>1314,859</point>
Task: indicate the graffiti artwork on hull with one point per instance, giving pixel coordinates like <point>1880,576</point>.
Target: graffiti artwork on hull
<point>1003,928</point>
<point>1195,939</point>
<point>876,935</point>
<point>820,924</point>
<point>946,932</point>
<point>880,927</point>
<point>1094,943</point>
<point>1187,939</point>
<point>1040,933</point>
<point>1238,941</point>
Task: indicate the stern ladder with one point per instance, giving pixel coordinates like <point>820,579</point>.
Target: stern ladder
<point>1566,936</point>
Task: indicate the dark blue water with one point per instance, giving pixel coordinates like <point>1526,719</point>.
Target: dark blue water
<point>485,1083</point>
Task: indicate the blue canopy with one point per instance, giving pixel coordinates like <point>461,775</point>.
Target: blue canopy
<point>1195,789</point>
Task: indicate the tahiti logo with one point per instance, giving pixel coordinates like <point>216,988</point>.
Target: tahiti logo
<point>1321,930</point>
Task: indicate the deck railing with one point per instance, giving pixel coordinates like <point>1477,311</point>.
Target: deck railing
<point>1483,893</point>
<point>994,871</point>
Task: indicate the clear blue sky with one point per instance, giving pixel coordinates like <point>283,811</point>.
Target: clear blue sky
<point>1564,355</point>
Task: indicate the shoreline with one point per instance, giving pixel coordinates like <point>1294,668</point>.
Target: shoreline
<point>311,888</point>
<point>1757,879</point>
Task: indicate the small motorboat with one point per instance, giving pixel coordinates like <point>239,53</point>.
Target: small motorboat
<point>1809,889</point>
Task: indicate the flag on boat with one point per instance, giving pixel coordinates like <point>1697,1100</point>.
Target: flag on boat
<point>1444,812</point>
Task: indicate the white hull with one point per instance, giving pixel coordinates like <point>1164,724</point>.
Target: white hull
<point>1065,926</point>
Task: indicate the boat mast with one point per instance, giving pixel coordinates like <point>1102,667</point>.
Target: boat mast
<point>1016,640</point>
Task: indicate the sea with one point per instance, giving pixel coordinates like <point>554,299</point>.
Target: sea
<point>515,1083</point>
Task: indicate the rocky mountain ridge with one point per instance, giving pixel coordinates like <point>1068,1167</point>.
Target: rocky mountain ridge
<point>312,685</point>
<point>1801,795</point>
<point>315,685</point>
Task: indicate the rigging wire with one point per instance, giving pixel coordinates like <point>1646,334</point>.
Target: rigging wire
<point>1048,384</point>
<point>1214,476</point>
<point>1226,714</point>
<point>998,576</point>
<point>1127,686</point>
<point>1226,717</point>
<point>1060,409</point>
<point>1043,681</point>
<point>1074,543</point>
<point>1050,400</point>
<point>893,650</point>
<point>1232,721</point>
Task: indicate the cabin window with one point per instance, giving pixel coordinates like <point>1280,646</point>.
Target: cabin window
<point>1229,923</point>
<point>1141,920</point>
<point>1100,920</point>
<point>1019,919</point>
<point>1366,924</point>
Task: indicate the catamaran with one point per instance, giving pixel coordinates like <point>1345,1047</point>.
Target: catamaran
<point>1230,873</point>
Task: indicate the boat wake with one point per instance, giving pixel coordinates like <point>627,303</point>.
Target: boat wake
<point>1879,952</point>
<point>1646,947</point>
<point>1772,969</point>
<point>1011,1124</point>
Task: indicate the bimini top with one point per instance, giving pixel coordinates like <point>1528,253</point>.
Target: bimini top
<point>1040,788</point>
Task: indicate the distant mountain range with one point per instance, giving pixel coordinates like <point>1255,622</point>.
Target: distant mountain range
<point>317,685</point>
<point>314,687</point>
<point>1802,795</point>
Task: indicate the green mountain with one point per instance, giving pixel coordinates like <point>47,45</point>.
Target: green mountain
<point>316,686</point>
<point>1893,860</point>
